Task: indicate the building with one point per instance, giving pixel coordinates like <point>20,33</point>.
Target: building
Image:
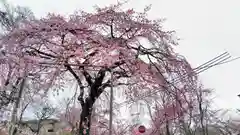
<point>45,127</point>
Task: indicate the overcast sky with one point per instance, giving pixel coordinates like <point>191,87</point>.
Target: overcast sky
<point>206,28</point>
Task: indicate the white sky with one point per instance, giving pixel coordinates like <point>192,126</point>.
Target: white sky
<point>206,27</point>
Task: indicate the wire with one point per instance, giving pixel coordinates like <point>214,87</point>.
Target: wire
<point>219,60</point>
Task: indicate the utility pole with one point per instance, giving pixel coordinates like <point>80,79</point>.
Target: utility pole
<point>111,105</point>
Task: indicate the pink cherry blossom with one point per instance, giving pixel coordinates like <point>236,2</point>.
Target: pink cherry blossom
<point>87,45</point>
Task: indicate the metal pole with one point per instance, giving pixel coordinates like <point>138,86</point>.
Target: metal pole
<point>111,105</point>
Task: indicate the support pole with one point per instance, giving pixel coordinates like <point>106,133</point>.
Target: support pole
<point>111,105</point>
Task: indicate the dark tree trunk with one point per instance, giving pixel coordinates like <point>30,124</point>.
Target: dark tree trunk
<point>87,109</point>
<point>96,89</point>
<point>86,115</point>
<point>167,128</point>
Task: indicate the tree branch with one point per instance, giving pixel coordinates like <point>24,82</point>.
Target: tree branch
<point>80,98</point>
<point>40,52</point>
<point>111,29</point>
<point>95,92</point>
<point>87,76</point>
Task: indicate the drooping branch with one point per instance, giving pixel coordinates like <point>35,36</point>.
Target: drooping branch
<point>111,29</point>
<point>80,98</point>
<point>8,75</point>
<point>42,53</point>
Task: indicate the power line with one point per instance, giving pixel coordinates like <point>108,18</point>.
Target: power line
<point>219,60</point>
